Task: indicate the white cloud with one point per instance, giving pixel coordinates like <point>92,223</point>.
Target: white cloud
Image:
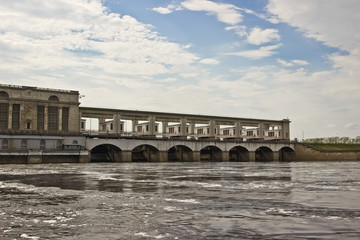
<point>226,13</point>
<point>258,36</point>
<point>210,61</point>
<point>299,62</point>
<point>77,38</point>
<point>168,9</point>
<point>292,62</point>
<point>336,23</point>
<point>162,10</point>
<point>239,30</point>
<point>262,52</point>
<point>352,126</point>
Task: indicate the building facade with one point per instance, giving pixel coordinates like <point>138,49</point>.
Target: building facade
<point>38,110</point>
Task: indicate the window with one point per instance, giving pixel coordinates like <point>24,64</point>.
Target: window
<point>249,133</point>
<point>111,126</point>
<point>226,132</point>
<point>122,127</point>
<point>179,129</point>
<point>65,119</point>
<point>5,144</point>
<point>208,130</point>
<point>171,129</point>
<point>200,131</point>
<point>156,128</point>
<point>82,125</point>
<point>271,134</point>
<point>16,116</point>
<point>53,98</point>
<point>4,95</point>
<point>42,144</point>
<point>28,125</point>
<point>40,118</point>
<point>23,144</point>
<point>147,128</point>
<point>53,118</point>
<point>4,111</point>
<point>187,129</point>
<point>75,142</point>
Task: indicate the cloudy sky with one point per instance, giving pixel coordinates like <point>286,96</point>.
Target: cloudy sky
<point>274,59</point>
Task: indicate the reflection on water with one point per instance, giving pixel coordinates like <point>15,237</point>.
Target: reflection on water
<point>180,201</point>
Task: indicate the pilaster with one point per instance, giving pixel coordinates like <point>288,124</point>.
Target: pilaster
<point>163,156</point>
<point>196,156</point>
<point>252,156</point>
<point>10,116</point>
<point>126,156</point>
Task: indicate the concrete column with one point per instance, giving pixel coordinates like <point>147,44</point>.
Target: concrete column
<point>261,130</point>
<point>192,128</point>
<point>217,128</point>
<point>117,128</point>
<point>163,156</point>
<point>252,156</point>
<point>225,156</point>
<point>60,119</point>
<point>84,157</point>
<point>196,156</point>
<point>151,126</point>
<point>183,127</point>
<point>10,117</point>
<point>276,156</point>
<point>164,125</point>
<point>46,118</point>
<point>238,128</point>
<point>212,128</point>
<point>285,129</point>
<point>126,156</point>
<point>101,120</point>
<point>134,123</point>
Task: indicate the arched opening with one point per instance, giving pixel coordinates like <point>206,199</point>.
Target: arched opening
<point>286,154</point>
<point>106,153</point>
<point>264,154</point>
<point>145,153</point>
<point>239,154</point>
<point>53,98</point>
<point>4,95</point>
<point>180,153</point>
<point>211,154</point>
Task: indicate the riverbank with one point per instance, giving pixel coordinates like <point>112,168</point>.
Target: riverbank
<point>327,152</point>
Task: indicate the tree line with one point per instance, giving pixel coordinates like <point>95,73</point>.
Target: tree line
<point>343,140</point>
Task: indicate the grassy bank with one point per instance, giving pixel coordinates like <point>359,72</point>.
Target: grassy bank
<point>334,146</point>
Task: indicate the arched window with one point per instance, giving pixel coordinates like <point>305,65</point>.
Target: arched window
<point>4,95</point>
<point>5,144</point>
<point>53,98</point>
<point>23,144</point>
<point>42,144</point>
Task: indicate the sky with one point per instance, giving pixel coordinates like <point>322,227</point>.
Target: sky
<point>268,59</point>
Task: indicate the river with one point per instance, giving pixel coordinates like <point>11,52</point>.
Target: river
<point>298,200</point>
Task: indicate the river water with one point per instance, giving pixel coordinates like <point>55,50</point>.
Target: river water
<point>317,200</point>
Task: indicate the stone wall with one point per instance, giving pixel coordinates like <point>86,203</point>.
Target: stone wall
<point>304,153</point>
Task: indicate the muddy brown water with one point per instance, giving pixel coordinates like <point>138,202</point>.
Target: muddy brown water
<point>318,200</point>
